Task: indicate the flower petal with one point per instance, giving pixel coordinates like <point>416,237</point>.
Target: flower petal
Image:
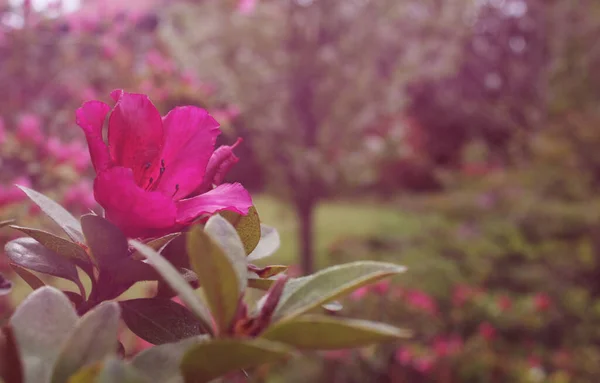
<point>90,117</point>
<point>135,135</point>
<point>190,136</point>
<point>221,161</point>
<point>137,212</point>
<point>224,197</point>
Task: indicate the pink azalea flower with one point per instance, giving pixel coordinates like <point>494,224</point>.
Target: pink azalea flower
<point>404,356</point>
<point>29,129</point>
<point>541,302</point>
<point>487,331</point>
<point>421,301</point>
<point>461,295</point>
<point>156,175</point>
<point>359,293</point>
<point>504,303</point>
<point>443,346</point>
<point>10,194</point>
<point>424,364</point>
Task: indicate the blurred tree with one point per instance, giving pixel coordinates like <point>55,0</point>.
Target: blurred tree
<point>312,79</point>
<point>498,94</point>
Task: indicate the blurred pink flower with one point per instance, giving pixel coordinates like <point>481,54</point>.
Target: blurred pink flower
<point>541,302</point>
<point>109,46</point>
<point>80,196</point>
<point>381,288</point>
<point>88,93</point>
<point>421,301</point>
<point>10,194</point>
<point>29,129</point>
<point>423,364</point>
<point>534,361</point>
<point>359,293</point>
<point>403,356</point>
<point>247,6</point>
<point>461,295</point>
<point>159,62</point>
<point>156,175</point>
<point>337,354</point>
<point>504,303</point>
<point>443,346</point>
<point>487,331</point>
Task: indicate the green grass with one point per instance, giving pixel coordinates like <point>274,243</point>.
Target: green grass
<point>334,221</point>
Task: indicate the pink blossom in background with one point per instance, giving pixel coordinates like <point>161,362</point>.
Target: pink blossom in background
<point>29,129</point>
<point>404,356</point>
<point>88,93</point>
<point>227,114</point>
<point>421,301</point>
<point>10,194</point>
<point>534,361</point>
<point>423,364</point>
<point>158,61</point>
<point>55,149</point>
<point>78,156</point>
<point>504,303</point>
<point>381,288</point>
<point>447,346</point>
<point>359,293</point>
<point>487,331</point>
<point>80,196</point>
<point>109,46</point>
<point>461,295</point>
<point>541,302</point>
<point>246,6</point>
<point>157,175</point>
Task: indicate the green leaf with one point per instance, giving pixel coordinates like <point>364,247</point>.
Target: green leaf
<point>57,213</point>
<point>11,369</point>
<point>157,244</point>
<point>256,282</point>
<point>268,271</point>
<point>159,320</point>
<point>129,271</point>
<point>216,275</point>
<point>6,222</point>
<point>326,333</point>
<point>41,325</point>
<point>30,278</point>
<point>176,252</point>
<point>247,227</point>
<point>268,244</point>
<point>177,283</point>
<point>161,363</point>
<point>116,371</point>
<point>87,374</point>
<point>205,361</point>
<point>107,243</point>
<point>30,254</point>
<point>94,338</point>
<point>165,291</point>
<point>304,294</point>
<point>57,244</point>
<point>224,235</point>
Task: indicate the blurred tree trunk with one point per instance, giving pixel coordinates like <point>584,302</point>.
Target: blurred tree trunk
<point>305,215</point>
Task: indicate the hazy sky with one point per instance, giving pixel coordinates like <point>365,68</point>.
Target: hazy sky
<point>39,5</point>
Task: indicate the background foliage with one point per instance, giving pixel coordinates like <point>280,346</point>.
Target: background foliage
<point>459,138</point>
